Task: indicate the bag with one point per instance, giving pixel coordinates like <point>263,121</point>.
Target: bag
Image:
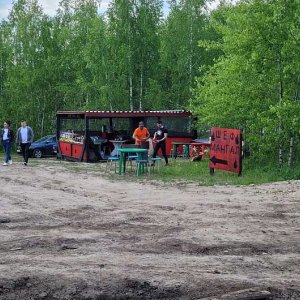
<point>151,148</point>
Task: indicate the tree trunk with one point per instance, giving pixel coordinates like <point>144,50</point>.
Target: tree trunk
<point>130,93</point>
<point>291,151</point>
<point>280,156</point>
<point>43,116</point>
<point>247,294</point>
<point>130,68</point>
<point>87,101</point>
<point>191,45</point>
<point>141,88</point>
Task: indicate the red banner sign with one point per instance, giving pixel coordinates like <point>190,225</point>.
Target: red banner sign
<point>226,149</point>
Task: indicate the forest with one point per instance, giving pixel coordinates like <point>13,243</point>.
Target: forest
<point>237,66</point>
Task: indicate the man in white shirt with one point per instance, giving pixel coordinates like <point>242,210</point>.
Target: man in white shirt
<point>24,139</point>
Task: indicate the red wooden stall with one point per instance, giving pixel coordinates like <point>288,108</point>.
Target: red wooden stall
<point>86,136</point>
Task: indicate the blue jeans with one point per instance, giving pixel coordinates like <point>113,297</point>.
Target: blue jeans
<point>7,150</point>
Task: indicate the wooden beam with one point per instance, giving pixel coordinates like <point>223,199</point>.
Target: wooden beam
<point>248,294</point>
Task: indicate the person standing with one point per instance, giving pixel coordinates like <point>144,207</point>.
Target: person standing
<point>24,139</point>
<point>141,134</point>
<point>7,137</point>
<point>159,139</point>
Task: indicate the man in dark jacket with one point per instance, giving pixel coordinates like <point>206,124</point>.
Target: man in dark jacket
<point>159,139</point>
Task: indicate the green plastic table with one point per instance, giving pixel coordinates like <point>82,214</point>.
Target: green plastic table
<point>122,161</point>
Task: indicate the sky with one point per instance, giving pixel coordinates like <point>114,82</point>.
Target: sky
<point>50,7</point>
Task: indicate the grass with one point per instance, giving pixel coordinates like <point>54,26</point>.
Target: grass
<point>183,170</point>
<point>252,173</point>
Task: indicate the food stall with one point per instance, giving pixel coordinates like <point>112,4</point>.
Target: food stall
<point>88,136</point>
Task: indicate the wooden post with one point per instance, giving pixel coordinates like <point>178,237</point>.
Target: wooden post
<point>248,294</point>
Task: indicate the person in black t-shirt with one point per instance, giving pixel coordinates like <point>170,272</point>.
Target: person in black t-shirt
<point>159,139</point>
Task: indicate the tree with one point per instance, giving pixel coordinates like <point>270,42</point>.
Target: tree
<point>146,39</point>
<point>181,56</point>
<point>81,55</point>
<point>120,43</point>
<point>253,84</point>
<point>134,50</point>
<point>26,85</point>
<point>5,51</point>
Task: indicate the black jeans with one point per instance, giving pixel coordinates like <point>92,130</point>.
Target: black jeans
<point>25,151</point>
<point>162,146</point>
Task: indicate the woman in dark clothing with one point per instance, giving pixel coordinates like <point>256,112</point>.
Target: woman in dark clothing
<point>7,136</point>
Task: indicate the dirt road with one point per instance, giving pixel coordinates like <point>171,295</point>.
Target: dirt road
<point>76,233</point>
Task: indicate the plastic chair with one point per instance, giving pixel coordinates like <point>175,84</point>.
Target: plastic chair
<point>155,161</point>
<point>110,161</point>
<point>141,165</point>
<point>131,159</point>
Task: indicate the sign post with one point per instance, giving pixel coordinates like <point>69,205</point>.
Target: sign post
<point>226,150</point>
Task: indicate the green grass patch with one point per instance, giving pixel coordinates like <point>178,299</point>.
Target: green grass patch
<point>199,172</point>
<point>182,170</point>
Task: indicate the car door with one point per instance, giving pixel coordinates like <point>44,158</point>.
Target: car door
<point>48,145</point>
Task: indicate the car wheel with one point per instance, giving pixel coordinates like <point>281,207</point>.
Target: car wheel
<point>37,153</point>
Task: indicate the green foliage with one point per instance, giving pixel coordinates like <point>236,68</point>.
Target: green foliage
<point>254,82</point>
<point>25,67</point>
<point>181,56</point>
<point>131,58</point>
<point>134,51</point>
<point>239,65</point>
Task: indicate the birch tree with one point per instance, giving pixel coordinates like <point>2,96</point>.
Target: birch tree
<point>253,84</point>
<point>181,56</point>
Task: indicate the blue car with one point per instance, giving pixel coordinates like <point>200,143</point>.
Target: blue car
<point>45,146</point>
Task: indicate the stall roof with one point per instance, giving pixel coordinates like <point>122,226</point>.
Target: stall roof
<point>117,113</point>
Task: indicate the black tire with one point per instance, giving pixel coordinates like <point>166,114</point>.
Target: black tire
<point>37,153</point>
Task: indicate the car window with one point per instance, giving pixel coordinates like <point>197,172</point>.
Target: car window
<point>52,140</point>
<point>43,139</point>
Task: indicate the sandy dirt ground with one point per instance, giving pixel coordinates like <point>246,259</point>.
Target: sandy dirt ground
<point>69,232</point>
